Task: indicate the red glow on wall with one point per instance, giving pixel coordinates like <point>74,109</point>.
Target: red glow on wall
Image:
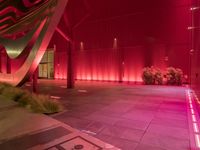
<point>60,66</point>
<point>113,43</point>
<point>98,64</point>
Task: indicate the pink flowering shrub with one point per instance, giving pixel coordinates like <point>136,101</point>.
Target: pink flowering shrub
<point>158,76</point>
<point>152,75</point>
<point>174,76</point>
<point>148,75</point>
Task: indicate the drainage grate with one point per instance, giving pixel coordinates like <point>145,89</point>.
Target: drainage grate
<point>77,143</point>
<point>40,138</point>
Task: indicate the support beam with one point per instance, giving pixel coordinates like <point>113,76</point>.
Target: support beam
<point>81,21</point>
<point>70,50</point>
<point>63,34</point>
<point>70,64</point>
<point>87,6</point>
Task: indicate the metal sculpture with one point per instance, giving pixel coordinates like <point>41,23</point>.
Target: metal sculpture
<point>26,27</point>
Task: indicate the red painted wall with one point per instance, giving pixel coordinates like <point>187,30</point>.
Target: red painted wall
<point>146,32</point>
<point>195,55</point>
<point>60,56</point>
<point>100,64</point>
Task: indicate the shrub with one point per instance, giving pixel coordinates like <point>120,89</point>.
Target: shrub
<point>44,104</point>
<point>158,76</point>
<point>148,75</point>
<point>25,99</point>
<point>179,76</point>
<point>11,92</point>
<point>170,75</point>
<point>35,102</point>
<point>50,105</point>
<point>174,76</point>
<point>8,92</point>
<point>152,75</point>
<point>4,86</point>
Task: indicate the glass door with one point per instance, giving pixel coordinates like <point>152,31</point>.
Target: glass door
<point>46,66</point>
<point>43,70</point>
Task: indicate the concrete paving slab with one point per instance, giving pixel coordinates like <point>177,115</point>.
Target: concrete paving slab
<point>69,141</point>
<point>132,124</point>
<point>123,133</point>
<point>139,114</point>
<point>165,110</point>
<point>18,121</point>
<point>165,115</point>
<point>22,129</point>
<point>149,109</point>
<point>30,140</point>
<point>168,131</point>
<point>119,142</point>
<point>165,142</point>
<point>102,118</point>
<point>148,147</point>
<point>95,127</point>
<point>173,107</point>
<point>170,122</point>
<point>78,123</point>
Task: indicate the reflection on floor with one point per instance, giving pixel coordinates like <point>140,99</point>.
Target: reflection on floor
<point>131,117</point>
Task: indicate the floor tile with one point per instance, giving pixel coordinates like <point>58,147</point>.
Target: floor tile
<point>166,142</point>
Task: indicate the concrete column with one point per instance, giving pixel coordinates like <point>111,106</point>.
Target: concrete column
<point>121,64</point>
<point>34,81</point>
<point>1,60</point>
<point>8,65</point>
<point>70,65</point>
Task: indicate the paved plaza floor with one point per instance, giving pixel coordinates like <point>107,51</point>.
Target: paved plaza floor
<point>21,129</point>
<point>128,116</point>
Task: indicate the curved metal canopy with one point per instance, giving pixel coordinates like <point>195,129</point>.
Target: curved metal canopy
<point>26,27</point>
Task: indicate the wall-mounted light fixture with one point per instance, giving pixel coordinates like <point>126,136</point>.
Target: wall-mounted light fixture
<point>115,43</point>
<point>192,27</point>
<point>194,8</point>
<point>81,46</point>
<point>54,47</point>
<point>166,58</point>
<point>191,51</point>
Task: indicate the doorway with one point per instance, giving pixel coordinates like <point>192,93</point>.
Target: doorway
<point>46,66</point>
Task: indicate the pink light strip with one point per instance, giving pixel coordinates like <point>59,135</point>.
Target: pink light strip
<point>191,106</point>
<point>194,118</point>
<point>192,111</point>
<point>197,140</point>
<point>195,126</point>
